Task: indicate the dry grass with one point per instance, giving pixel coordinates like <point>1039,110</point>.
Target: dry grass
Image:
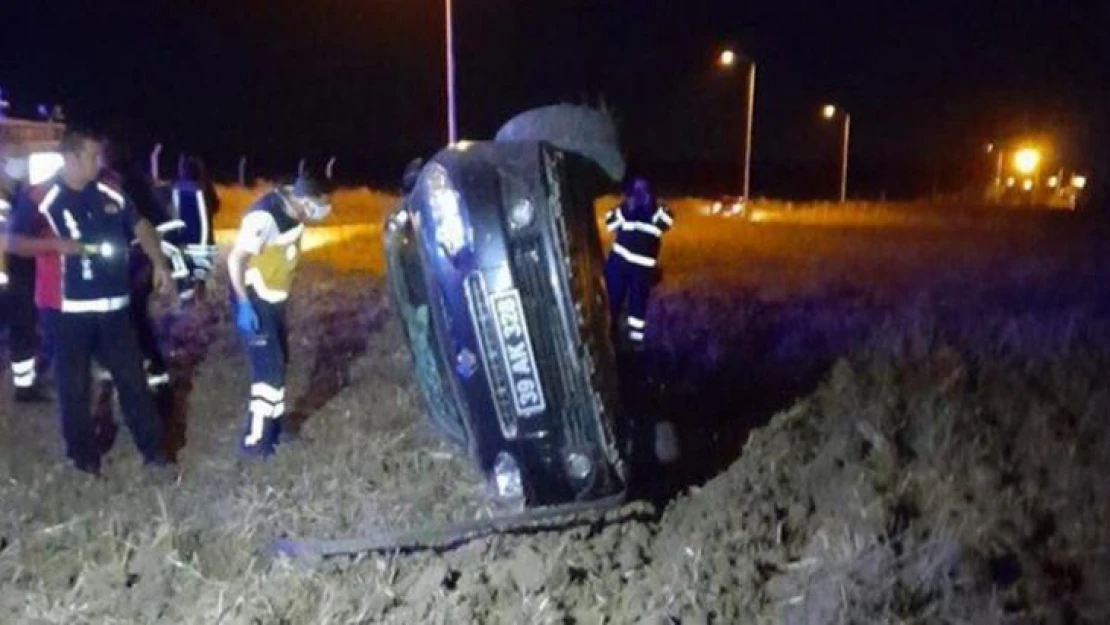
<point>928,400</point>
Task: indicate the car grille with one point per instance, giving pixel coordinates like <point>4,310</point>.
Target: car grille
<point>553,354</point>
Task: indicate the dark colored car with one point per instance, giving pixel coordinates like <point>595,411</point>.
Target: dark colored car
<point>495,266</point>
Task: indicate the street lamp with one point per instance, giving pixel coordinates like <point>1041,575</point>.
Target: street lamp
<point>829,111</point>
<point>726,60</point>
<point>452,128</point>
<point>1026,160</point>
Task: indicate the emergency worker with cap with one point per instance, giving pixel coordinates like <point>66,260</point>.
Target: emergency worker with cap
<point>17,282</point>
<point>94,322</point>
<point>261,267</point>
<point>639,223</point>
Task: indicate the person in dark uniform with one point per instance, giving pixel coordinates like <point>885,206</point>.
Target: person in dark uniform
<point>17,285</point>
<point>193,203</point>
<point>95,319</point>
<point>261,266</point>
<point>631,270</point>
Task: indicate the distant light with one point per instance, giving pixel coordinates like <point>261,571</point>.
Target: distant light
<point>727,58</point>
<point>1026,160</point>
<point>43,165</point>
<point>1053,182</point>
<point>989,148</point>
<point>1027,185</point>
<point>1010,182</point>
<point>828,111</point>
<point>1079,182</point>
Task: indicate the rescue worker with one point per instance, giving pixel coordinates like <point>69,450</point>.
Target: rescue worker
<point>120,170</point>
<point>631,270</point>
<point>17,284</point>
<point>193,203</point>
<point>95,220</point>
<point>261,267</point>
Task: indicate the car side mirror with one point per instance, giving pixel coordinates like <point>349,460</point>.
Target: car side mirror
<point>412,173</point>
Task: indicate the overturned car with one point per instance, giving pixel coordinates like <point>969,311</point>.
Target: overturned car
<point>495,267</point>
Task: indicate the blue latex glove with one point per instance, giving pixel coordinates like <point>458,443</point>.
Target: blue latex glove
<point>246,319</point>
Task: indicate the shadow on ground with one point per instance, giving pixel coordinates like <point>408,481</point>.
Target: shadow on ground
<point>717,367</point>
<point>343,322</point>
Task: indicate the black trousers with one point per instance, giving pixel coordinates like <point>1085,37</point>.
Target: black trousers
<point>268,352</point>
<point>110,339</point>
<point>17,313</point>
<point>629,287</point>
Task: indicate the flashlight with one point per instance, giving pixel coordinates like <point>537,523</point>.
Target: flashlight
<point>105,250</point>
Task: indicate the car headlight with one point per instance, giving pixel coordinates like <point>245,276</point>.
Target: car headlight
<point>447,211</point>
<point>522,213</point>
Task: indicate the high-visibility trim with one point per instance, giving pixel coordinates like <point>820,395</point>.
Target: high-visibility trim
<point>175,224</point>
<point>110,192</point>
<point>632,257</point>
<point>23,366</point>
<point>48,201</point>
<point>262,408</point>
<point>101,305</point>
<point>254,280</point>
<point>664,217</point>
<point>4,206</point>
<point>637,323</point>
<point>639,226</point>
<point>158,380</point>
<point>614,219</point>
<point>23,373</point>
<point>636,335</point>
<point>3,279</point>
<point>272,394</point>
<point>203,208</point>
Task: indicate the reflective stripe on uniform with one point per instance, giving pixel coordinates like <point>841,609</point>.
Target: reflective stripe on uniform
<point>636,335</point>
<point>637,323</point>
<point>158,380</point>
<point>110,192</point>
<point>255,281</point>
<point>267,402</point>
<point>23,373</point>
<point>641,227</point>
<point>664,217</point>
<point>101,305</point>
<point>202,208</point>
<point>175,224</point>
<point>632,257</point>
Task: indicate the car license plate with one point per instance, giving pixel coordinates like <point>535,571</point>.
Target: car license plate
<point>516,347</point>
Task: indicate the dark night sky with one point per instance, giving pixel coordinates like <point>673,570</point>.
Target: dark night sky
<point>927,81</point>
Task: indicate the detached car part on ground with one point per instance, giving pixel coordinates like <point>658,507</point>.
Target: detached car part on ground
<point>495,264</point>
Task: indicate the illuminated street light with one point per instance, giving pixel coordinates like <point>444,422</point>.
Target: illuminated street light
<point>1027,185</point>
<point>829,111</point>
<point>1010,182</point>
<point>1079,182</point>
<point>726,60</point>
<point>1026,160</point>
<point>1053,182</point>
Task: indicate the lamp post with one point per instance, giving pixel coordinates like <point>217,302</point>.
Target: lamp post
<point>829,111</point>
<point>727,59</point>
<point>452,128</point>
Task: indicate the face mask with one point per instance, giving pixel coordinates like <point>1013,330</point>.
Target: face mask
<point>15,168</point>
<point>314,209</point>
